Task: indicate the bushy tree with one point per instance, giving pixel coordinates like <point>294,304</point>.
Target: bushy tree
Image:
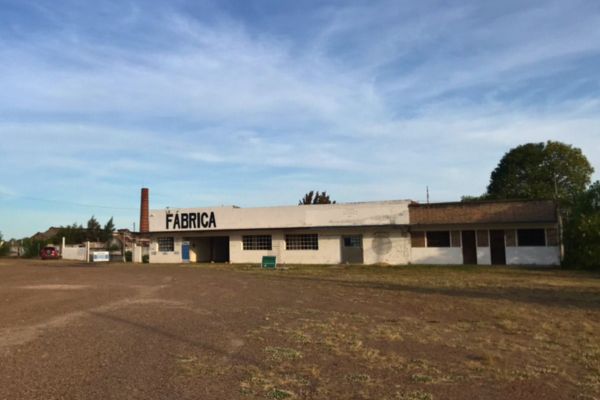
<point>313,197</point>
<point>541,171</point>
<point>582,231</point>
<point>94,230</point>
<point>4,246</point>
<point>73,234</point>
<point>108,230</point>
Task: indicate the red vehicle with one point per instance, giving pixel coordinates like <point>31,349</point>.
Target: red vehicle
<point>49,253</point>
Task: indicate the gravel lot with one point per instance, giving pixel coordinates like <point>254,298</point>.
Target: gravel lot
<point>74,331</point>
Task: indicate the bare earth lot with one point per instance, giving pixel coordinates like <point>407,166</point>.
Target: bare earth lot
<point>73,331</point>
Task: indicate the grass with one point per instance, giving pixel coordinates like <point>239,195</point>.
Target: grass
<point>410,332</point>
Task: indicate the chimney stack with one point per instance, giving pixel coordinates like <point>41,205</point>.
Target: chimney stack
<point>145,212</point>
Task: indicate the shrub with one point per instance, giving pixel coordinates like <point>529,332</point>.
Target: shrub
<point>145,258</point>
<point>128,256</point>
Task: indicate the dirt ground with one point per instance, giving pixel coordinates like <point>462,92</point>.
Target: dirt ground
<point>75,331</point>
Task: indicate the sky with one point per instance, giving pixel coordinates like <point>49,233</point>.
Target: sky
<point>254,103</point>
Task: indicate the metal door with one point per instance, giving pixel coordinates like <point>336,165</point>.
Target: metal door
<point>469,249</point>
<point>352,249</point>
<point>185,251</point>
<point>497,247</point>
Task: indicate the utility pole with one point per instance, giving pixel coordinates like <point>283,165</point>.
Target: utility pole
<point>427,191</point>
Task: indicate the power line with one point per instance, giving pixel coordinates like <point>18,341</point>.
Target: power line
<point>68,202</point>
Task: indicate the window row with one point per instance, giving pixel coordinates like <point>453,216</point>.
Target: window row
<point>258,242</point>
<point>292,242</point>
<point>513,238</point>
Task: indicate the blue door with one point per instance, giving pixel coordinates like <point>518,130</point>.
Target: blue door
<point>185,251</point>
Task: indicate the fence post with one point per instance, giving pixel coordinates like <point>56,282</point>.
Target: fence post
<point>62,247</point>
<point>87,251</point>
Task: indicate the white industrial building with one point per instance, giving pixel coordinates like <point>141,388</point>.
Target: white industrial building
<point>385,232</point>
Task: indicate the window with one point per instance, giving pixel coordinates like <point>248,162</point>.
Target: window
<point>438,239</point>
<point>302,242</point>
<point>531,237</point>
<point>257,242</point>
<point>166,244</point>
<point>353,241</point>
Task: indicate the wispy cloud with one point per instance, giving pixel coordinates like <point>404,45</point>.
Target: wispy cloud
<point>207,104</point>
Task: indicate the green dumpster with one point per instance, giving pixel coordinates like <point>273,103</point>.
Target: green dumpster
<point>269,262</point>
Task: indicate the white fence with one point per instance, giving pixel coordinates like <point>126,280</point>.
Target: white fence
<point>74,253</point>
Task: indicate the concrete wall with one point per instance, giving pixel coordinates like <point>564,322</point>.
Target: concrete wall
<point>436,255</point>
<point>484,256</point>
<point>73,253</point>
<point>538,255</point>
<point>321,215</point>
<point>390,246</point>
<point>165,257</point>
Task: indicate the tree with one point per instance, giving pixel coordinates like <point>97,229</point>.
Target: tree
<point>94,230</point>
<point>313,197</point>
<point>4,246</point>
<point>541,171</point>
<point>108,230</point>
<point>582,230</point>
<point>73,234</point>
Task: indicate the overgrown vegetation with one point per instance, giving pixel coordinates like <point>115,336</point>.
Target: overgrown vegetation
<point>93,232</point>
<point>582,230</point>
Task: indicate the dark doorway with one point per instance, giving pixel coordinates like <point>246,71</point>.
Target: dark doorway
<point>352,249</point>
<point>469,247</point>
<point>211,249</point>
<point>497,247</point>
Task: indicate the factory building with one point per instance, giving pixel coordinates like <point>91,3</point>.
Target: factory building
<point>381,232</point>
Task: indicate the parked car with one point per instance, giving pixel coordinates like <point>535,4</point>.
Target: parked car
<point>49,253</point>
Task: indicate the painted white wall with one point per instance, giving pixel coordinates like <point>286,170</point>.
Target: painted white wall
<point>484,256</point>
<point>436,255</point>
<point>73,253</point>
<point>379,246</point>
<point>168,256</point>
<point>389,247</point>
<point>352,214</point>
<point>534,255</point>
<point>237,254</point>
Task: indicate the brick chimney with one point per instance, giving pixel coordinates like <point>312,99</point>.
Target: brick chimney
<point>145,212</point>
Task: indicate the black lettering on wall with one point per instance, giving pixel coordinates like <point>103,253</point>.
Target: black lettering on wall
<point>190,220</point>
<point>184,221</point>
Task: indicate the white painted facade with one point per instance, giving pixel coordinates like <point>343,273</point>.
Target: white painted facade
<point>382,226</point>
<point>549,255</point>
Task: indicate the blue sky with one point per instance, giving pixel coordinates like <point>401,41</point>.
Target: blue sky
<point>256,102</point>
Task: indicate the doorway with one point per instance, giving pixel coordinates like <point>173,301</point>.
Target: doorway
<point>469,247</point>
<point>497,247</point>
<point>211,249</point>
<point>352,249</point>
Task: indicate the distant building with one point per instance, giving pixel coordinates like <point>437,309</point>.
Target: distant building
<point>390,232</point>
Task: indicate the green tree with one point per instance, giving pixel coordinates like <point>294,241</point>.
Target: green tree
<point>94,230</point>
<point>73,234</point>
<point>313,197</point>
<point>4,246</point>
<point>582,231</point>
<point>108,230</point>
<point>541,171</point>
